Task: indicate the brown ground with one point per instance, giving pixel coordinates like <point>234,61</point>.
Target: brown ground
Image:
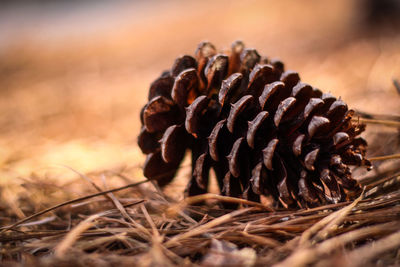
<point>70,100</point>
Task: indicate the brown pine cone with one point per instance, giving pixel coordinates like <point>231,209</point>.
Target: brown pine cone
<point>262,130</point>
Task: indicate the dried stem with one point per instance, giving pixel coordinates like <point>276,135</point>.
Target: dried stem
<point>378,158</point>
<point>389,123</point>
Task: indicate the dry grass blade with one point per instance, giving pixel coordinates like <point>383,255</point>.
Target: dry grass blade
<point>108,196</point>
<point>9,227</point>
<point>380,181</point>
<point>368,252</point>
<point>264,241</point>
<point>274,236</point>
<point>156,234</point>
<point>205,227</point>
<point>325,226</point>
<point>73,235</point>
<point>38,222</point>
<point>306,256</point>
<point>200,198</point>
<point>379,175</point>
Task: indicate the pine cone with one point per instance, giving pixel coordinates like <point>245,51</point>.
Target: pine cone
<point>263,131</point>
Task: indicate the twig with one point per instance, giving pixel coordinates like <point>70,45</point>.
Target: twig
<point>389,123</point>
<point>394,156</point>
<point>367,115</point>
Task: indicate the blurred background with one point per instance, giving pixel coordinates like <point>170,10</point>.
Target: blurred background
<point>74,74</point>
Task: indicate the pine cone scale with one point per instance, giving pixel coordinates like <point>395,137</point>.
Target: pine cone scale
<point>185,86</point>
<point>214,140</point>
<point>161,87</point>
<point>254,126</point>
<point>169,151</point>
